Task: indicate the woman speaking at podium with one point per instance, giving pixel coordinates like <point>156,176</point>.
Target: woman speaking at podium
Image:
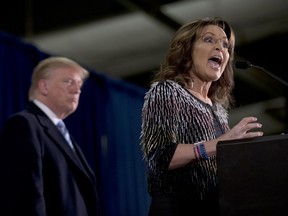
<point>184,116</point>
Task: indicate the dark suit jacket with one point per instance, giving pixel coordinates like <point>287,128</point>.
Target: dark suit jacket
<point>39,173</point>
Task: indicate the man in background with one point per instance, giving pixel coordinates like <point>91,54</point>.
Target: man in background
<point>43,171</point>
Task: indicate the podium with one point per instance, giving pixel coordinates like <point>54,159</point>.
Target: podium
<point>253,176</point>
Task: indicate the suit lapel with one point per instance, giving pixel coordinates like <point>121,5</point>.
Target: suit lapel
<point>57,138</point>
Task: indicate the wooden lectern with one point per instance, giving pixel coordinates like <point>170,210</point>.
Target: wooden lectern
<point>253,176</point>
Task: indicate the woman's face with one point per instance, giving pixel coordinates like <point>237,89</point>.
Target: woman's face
<point>210,54</point>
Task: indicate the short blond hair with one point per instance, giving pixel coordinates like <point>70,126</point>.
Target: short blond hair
<point>44,68</point>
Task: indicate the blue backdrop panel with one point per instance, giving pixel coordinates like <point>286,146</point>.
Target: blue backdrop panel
<point>106,124</point>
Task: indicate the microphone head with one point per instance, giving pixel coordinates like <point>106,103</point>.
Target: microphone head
<point>243,64</point>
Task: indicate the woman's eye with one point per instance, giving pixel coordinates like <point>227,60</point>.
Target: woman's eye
<point>225,44</point>
<point>209,40</point>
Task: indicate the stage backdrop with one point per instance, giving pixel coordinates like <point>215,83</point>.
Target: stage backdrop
<point>106,124</point>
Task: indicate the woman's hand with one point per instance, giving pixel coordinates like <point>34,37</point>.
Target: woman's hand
<point>243,129</point>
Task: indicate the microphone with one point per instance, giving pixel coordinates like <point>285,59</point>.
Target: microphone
<point>246,64</point>
<point>243,65</point>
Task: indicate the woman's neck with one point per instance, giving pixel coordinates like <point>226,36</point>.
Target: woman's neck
<point>201,95</point>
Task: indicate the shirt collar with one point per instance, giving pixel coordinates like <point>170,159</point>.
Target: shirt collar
<point>47,111</point>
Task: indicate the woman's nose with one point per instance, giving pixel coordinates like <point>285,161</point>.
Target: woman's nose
<point>219,45</point>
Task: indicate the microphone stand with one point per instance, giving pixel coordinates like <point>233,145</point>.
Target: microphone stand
<point>245,64</point>
<point>272,75</point>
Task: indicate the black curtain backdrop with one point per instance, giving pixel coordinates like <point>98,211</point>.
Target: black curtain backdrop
<point>106,125</point>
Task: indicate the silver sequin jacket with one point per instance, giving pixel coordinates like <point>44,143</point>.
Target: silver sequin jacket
<point>172,115</point>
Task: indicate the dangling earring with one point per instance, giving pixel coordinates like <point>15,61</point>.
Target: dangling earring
<point>191,84</point>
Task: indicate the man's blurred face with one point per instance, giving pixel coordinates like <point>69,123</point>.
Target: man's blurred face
<point>63,88</point>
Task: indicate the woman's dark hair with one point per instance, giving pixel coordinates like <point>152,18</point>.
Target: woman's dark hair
<point>178,62</point>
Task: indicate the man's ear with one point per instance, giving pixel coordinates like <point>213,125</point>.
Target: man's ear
<point>42,86</point>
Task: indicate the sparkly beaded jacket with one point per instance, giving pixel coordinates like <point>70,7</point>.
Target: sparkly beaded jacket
<point>171,115</point>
